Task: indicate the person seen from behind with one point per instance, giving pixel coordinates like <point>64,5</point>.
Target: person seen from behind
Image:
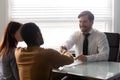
<point>11,36</point>
<point>35,62</point>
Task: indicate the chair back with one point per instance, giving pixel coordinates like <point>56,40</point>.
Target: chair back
<point>113,41</point>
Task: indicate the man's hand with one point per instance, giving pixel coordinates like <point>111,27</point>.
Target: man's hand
<point>83,58</point>
<point>63,49</point>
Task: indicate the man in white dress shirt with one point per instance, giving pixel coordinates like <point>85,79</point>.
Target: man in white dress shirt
<point>98,48</point>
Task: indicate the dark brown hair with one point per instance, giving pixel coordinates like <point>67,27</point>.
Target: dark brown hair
<point>31,34</point>
<point>8,40</point>
<point>87,13</point>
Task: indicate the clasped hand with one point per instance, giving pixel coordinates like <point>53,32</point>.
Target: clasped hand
<point>82,57</point>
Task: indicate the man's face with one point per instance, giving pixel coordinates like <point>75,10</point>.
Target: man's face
<point>85,24</point>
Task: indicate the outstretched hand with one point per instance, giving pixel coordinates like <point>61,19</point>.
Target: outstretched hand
<point>63,49</point>
<point>83,58</point>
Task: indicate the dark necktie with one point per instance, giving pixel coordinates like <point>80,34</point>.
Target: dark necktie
<point>85,44</point>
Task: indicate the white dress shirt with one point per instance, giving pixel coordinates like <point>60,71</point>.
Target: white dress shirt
<point>98,48</point>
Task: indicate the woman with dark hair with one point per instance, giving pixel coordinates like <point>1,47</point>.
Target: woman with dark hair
<point>35,62</point>
<point>8,44</point>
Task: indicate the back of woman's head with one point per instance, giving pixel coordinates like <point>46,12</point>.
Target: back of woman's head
<point>8,40</point>
<point>31,34</point>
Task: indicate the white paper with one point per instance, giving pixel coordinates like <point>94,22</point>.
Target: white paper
<point>76,62</point>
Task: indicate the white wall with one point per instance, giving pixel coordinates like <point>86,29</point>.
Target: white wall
<point>116,16</point>
<point>3,15</point>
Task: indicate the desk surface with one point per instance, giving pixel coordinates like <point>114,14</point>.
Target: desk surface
<point>96,70</point>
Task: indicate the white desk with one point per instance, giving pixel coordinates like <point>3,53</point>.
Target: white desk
<point>94,70</point>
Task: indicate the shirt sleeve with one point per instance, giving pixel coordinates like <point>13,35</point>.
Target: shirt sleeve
<point>103,49</point>
<point>58,59</point>
<point>71,41</point>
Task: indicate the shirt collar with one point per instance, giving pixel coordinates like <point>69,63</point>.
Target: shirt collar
<point>91,31</point>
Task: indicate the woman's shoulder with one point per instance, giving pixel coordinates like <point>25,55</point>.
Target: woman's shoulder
<point>50,50</point>
<point>20,49</point>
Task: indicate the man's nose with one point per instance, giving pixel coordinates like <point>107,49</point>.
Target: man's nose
<point>82,24</point>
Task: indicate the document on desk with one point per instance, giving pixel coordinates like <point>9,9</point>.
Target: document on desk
<point>75,63</point>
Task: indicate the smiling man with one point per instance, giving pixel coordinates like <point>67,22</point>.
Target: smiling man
<point>90,44</point>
